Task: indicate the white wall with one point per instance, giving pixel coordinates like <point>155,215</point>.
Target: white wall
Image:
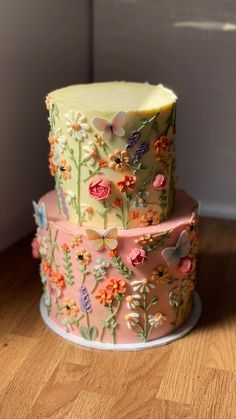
<point>44,45</point>
<point>189,46</point>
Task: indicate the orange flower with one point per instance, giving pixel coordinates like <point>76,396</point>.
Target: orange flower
<point>102,163</point>
<point>83,256</point>
<point>162,144</point>
<point>113,253</point>
<point>118,160</point>
<point>76,241</point>
<point>134,215</point>
<point>52,166</point>
<point>150,218</point>
<point>65,169</point>
<point>46,267</point>
<point>99,140</point>
<point>104,297</point>
<point>58,279</point>
<point>117,202</point>
<point>70,308</point>
<point>116,286</point>
<point>65,247</point>
<point>127,183</point>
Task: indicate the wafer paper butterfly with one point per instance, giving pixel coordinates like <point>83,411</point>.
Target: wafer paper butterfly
<point>172,255</point>
<point>40,214</point>
<point>114,127</point>
<point>101,240</point>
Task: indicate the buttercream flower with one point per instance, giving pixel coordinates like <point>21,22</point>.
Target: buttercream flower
<point>160,274</point>
<point>100,189</point>
<point>101,266</point>
<point>61,143</point>
<point>145,239</point>
<point>65,169</point>
<point>102,163</point>
<point>88,213</point>
<point>132,319</point>
<point>105,297</point>
<point>58,279</point>
<point>117,202</point>
<point>76,241</point>
<point>116,286</point>
<point>127,183</point>
<point>149,218</point>
<point>137,256</point>
<point>160,182</point>
<point>162,144</point>
<point>90,154</point>
<point>76,125</point>
<point>69,197</point>
<point>156,319</point>
<point>65,247</point>
<point>140,199</point>
<point>46,267</point>
<point>142,285</point>
<point>35,248</point>
<point>43,245</point>
<point>134,215</point>
<point>119,160</point>
<point>133,301</point>
<point>52,166</point>
<point>113,253</point>
<point>69,307</point>
<point>99,140</point>
<point>185,265</point>
<point>83,256</point>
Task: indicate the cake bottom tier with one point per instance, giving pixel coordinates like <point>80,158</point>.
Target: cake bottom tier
<point>120,287</point>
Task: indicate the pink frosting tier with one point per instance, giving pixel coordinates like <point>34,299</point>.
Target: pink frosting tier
<point>115,286</point>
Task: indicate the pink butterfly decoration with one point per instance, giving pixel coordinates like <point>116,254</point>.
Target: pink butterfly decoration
<point>114,127</point>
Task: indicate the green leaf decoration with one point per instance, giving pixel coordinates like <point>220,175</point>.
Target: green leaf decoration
<point>68,267</point>
<point>120,266</point>
<point>93,332</point>
<point>84,332</point>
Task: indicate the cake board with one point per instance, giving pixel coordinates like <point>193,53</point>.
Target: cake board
<point>179,333</point>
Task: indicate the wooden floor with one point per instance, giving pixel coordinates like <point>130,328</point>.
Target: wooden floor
<point>43,376</point>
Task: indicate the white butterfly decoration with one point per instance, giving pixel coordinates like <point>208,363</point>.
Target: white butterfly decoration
<point>173,254</point>
<point>114,127</point>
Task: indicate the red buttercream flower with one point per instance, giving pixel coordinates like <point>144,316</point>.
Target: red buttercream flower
<point>100,189</point>
<point>160,182</point>
<point>35,248</point>
<point>185,265</point>
<point>137,256</point>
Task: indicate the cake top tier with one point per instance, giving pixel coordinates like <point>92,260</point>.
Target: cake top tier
<point>114,97</point>
<point>112,153</point>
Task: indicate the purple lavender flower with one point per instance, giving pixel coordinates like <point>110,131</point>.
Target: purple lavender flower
<point>132,140</point>
<point>143,148</point>
<point>63,202</point>
<point>85,304</point>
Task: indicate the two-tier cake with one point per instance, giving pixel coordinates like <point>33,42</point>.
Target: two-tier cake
<point>117,245</point>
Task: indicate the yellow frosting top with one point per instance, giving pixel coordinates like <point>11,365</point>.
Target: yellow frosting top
<point>115,96</point>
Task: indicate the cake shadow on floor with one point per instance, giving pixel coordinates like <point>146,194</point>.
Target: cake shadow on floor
<point>217,288</point>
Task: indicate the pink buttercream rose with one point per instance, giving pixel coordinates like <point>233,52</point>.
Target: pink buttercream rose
<point>35,248</point>
<point>137,256</point>
<point>160,182</point>
<point>100,189</point>
<point>185,265</point>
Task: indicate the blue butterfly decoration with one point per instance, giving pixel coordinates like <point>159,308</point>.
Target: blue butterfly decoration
<point>173,254</point>
<point>40,214</point>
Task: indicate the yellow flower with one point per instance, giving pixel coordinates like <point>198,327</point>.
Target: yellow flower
<point>99,140</point>
<point>83,256</point>
<point>119,160</point>
<point>150,218</point>
<point>70,308</point>
<point>65,169</point>
<point>160,275</point>
<point>146,239</point>
<point>77,240</point>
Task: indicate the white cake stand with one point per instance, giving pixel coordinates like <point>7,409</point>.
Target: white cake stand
<point>179,333</point>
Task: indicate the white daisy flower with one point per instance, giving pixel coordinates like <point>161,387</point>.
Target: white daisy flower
<point>156,320</point>
<point>43,245</point>
<point>132,319</point>
<point>133,301</point>
<point>76,125</point>
<point>90,154</point>
<point>142,285</point>
<point>69,197</point>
